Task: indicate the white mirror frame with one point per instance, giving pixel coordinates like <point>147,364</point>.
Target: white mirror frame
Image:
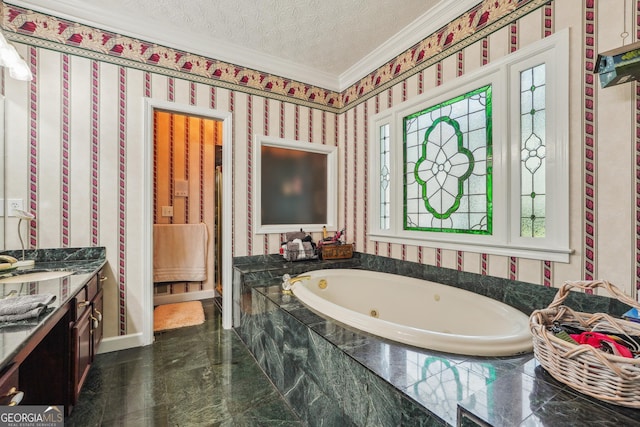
<point>332,184</point>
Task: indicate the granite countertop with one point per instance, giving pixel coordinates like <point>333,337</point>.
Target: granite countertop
<point>84,262</point>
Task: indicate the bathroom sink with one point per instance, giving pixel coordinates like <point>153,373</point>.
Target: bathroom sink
<point>36,276</point>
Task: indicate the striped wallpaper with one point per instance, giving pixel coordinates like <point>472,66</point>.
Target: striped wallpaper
<point>75,152</point>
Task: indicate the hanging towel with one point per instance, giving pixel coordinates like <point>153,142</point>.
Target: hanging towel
<point>24,307</point>
<point>180,252</point>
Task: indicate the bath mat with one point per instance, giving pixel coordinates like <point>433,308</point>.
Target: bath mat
<point>178,315</point>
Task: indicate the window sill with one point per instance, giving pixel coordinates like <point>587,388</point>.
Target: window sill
<point>543,254</point>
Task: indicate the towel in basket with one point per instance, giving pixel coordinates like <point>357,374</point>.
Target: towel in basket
<point>583,367</point>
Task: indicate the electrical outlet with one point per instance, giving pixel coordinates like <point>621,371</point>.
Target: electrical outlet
<point>11,204</point>
<point>14,204</point>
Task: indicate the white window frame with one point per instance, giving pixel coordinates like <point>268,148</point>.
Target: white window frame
<point>330,204</point>
<point>504,77</point>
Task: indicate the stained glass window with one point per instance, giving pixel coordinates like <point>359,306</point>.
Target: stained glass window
<point>385,178</point>
<point>447,166</point>
<point>481,162</point>
<point>533,150</point>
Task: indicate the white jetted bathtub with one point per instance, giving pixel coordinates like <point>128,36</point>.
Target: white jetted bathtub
<point>416,312</point>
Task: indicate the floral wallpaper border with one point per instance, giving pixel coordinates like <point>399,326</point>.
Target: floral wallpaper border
<point>26,26</point>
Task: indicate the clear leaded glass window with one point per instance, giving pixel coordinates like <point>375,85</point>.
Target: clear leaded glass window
<point>447,166</point>
<point>532,148</point>
<point>385,178</point>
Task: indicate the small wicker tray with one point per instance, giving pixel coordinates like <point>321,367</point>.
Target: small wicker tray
<point>611,378</point>
<point>337,251</point>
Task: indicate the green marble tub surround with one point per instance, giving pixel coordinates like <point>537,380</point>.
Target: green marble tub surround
<point>317,378</point>
<point>321,365</point>
<point>329,372</point>
<point>529,396</point>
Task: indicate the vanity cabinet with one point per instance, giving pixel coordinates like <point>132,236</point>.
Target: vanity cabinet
<point>86,332</point>
<point>10,386</point>
<point>50,365</point>
<point>81,356</point>
<point>44,363</point>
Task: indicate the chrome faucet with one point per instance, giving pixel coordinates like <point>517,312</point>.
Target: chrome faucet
<point>288,281</point>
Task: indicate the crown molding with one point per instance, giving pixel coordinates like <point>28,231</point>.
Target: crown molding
<point>425,25</point>
<point>434,19</point>
<point>202,45</point>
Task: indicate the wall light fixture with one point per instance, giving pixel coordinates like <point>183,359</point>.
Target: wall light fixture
<point>9,58</point>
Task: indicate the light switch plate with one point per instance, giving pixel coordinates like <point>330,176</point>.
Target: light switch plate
<point>167,211</point>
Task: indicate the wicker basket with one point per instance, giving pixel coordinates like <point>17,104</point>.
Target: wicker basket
<point>614,379</point>
<point>295,255</point>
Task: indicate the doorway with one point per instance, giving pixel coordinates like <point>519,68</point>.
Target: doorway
<point>220,232</point>
<point>187,171</point>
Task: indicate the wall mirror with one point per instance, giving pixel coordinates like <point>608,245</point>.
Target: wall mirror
<point>3,204</point>
<point>295,185</point>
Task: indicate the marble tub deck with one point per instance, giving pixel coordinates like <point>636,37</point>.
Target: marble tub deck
<point>454,389</point>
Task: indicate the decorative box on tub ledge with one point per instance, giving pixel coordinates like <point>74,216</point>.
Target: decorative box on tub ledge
<point>336,251</point>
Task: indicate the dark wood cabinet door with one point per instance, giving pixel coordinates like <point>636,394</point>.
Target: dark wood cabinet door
<point>82,346</point>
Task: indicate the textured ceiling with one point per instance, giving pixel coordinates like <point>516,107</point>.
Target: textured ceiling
<point>319,37</point>
<point>328,35</point>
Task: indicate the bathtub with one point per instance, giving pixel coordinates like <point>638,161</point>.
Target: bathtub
<point>416,312</point>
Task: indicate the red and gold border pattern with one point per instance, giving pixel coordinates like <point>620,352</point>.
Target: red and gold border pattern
<point>24,25</point>
<point>42,28</point>
<point>478,22</point>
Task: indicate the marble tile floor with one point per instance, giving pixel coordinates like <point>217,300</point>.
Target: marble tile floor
<point>195,376</point>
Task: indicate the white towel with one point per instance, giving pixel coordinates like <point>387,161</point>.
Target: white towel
<point>24,306</point>
<point>180,252</point>
<point>301,253</point>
